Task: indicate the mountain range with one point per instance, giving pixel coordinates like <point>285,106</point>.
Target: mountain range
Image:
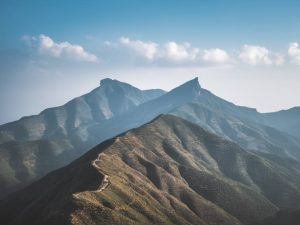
<point>35,145</point>
<point>194,159</point>
<point>168,171</point>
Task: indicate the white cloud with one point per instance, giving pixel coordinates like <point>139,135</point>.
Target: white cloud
<point>179,52</point>
<point>255,55</point>
<point>170,51</point>
<point>46,46</point>
<point>184,54</point>
<point>215,56</point>
<point>278,59</point>
<point>64,50</point>
<point>294,52</point>
<point>145,49</point>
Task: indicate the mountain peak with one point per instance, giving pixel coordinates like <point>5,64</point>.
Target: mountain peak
<point>106,81</point>
<point>190,87</point>
<point>194,83</point>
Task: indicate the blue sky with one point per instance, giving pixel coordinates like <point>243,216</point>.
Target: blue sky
<point>52,51</point>
<point>228,23</point>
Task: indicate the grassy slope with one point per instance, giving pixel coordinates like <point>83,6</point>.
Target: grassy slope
<point>169,171</point>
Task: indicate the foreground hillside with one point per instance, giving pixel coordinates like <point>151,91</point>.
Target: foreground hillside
<point>168,171</point>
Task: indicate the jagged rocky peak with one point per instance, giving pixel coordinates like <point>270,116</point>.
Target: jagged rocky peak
<point>112,83</point>
<point>108,81</point>
<point>194,82</point>
<point>191,87</point>
<point>191,84</point>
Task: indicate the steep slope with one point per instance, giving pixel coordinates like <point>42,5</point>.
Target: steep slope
<point>23,162</point>
<point>285,120</point>
<point>112,98</point>
<point>145,112</point>
<point>115,107</point>
<point>168,171</point>
<point>242,125</point>
<point>241,129</point>
<point>36,145</point>
<point>286,217</point>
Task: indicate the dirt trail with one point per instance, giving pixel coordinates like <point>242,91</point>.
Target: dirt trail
<point>105,182</point>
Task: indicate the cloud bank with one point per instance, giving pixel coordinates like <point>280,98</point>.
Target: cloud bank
<point>258,55</point>
<point>174,52</point>
<point>48,47</point>
<point>216,56</point>
<point>145,49</point>
<point>294,53</point>
<point>185,53</point>
<point>168,53</point>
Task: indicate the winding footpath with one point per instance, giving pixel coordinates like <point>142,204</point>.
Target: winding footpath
<point>105,182</point>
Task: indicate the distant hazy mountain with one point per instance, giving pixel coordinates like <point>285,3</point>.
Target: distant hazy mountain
<point>169,171</point>
<point>286,120</point>
<point>241,129</point>
<point>35,145</point>
<point>242,125</point>
<point>112,98</point>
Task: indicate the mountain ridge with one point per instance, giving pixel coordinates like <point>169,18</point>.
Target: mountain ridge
<point>115,107</point>
<point>64,128</point>
<point>167,171</point>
